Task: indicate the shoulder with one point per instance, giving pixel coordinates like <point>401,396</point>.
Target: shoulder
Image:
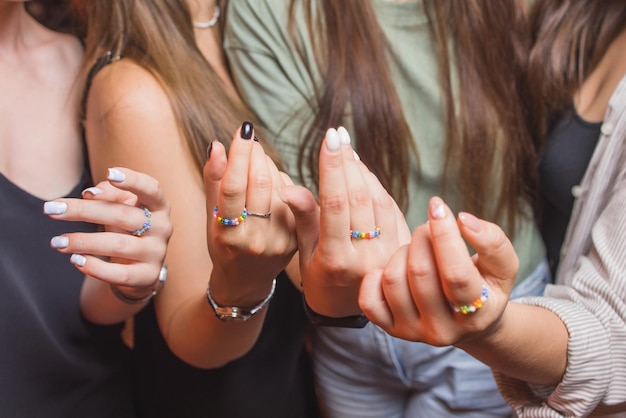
<point>125,87</point>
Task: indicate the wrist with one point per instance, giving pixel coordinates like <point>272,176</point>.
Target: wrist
<point>238,312</point>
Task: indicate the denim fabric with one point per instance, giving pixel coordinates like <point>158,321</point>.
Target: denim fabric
<point>365,373</point>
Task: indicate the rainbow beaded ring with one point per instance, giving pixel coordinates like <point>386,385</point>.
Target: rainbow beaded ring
<point>365,235</point>
<point>474,306</point>
<point>232,221</point>
<point>146,225</point>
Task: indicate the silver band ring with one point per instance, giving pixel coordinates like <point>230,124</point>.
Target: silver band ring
<point>260,215</point>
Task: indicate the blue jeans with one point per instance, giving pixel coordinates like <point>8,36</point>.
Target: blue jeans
<point>366,373</point>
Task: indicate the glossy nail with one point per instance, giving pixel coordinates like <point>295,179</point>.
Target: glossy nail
<point>116,175</point>
<point>470,222</point>
<point>59,242</point>
<point>78,259</point>
<point>54,208</point>
<point>344,136</point>
<point>93,190</point>
<point>246,130</point>
<point>437,208</point>
<point>356,156</point>
<point>332,141</point>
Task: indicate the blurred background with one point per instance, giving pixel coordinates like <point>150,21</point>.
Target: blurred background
<point>55,14</point>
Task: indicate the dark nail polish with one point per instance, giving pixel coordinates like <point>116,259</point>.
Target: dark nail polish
<point>256,139</point>
<point>246,130</point>
<point>208,150</point>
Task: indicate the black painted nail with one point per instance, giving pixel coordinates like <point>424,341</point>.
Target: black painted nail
<point>256,139</point>
<point>246,130</point>
<point>208,150</point>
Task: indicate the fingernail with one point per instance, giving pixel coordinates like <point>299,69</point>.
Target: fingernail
<point>116,175</point>
<point>470,221</point>
<point>54,208</point>
<point>356,156</point>
<point>332,140</point>
<point>246,130</point>
<point>344,136</point>
<point>78,259</point>
<point>208,150</point>
<point>93,190</point>
<point>256,139</point>
<point>437,208</point>
<point>59,242</point>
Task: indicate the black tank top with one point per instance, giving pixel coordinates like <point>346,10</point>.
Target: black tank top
<point>53,363</point>
<point>562,165</point>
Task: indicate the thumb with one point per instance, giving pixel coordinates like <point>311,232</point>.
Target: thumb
<point>306,214</point>
<point>495,255</point>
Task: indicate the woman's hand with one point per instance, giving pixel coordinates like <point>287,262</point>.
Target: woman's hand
<point>128,253</point>
<point>433,291</point>
<point>250,231</point>
<point>355,229</point>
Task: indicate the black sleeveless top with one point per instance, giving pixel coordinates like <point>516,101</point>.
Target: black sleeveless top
<point>273,380</point>
<point>562,165</point>
<point>53,363</point>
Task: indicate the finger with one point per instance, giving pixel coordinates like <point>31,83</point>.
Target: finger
<point>460,279</point>
<point>111,245</point>
<point>113,214</point>
<point>422,271</point>
<point>395,287</point>
<point>495,253</point>
<point>212,173</point>
<point>385,212</point>
<point>132,275</point>
<point>362,217</point>
<point>372,300</point>
<point>260,182</point>
<point>145,187</point>
<point>333,194</point>
<point>231,200</point>
<point>307,217</point>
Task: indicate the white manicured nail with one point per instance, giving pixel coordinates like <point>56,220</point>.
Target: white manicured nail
<point>78,259</point>
<point>93,190</point>
<point>116,175</point>
<point>54,208</point>
<point>59,242</point>
<point>356,156</point>
<point>332,140</point>
<point>344,136</point>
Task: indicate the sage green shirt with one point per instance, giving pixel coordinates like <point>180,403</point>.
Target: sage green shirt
<point>274,80</point>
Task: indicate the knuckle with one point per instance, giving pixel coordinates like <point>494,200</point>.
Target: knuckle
<point>359,197</point>
<point>384,202</point>
<point>262,181</point>
<point>419,269</point>
<point>334,203</point>
<point>230,189</point>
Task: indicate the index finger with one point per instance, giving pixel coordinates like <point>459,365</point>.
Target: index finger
<point>145,187</point>
<point>460,279</point>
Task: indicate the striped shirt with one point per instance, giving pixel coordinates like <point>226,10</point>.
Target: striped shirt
<point>590,291</point>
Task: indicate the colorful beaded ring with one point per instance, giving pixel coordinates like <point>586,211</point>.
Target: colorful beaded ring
<point>365,235</point>
<point>229,222</point>
<point>474,306</point>
<point>146,225</point>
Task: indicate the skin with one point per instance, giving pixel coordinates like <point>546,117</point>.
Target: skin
<point>41,152</point>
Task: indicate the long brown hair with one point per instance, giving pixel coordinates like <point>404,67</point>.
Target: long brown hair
<point>569,37</point>
<point>488,130</point>
<point>158,35</point>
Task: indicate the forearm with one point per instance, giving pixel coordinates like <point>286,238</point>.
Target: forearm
<point>529,343</point>
<point>101,306</point>
<point>197,336</point>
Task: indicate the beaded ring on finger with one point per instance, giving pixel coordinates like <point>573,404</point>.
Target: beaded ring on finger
<point>146,225</point>
<point>475,305</point>
<point>365,235</point>
<point>232,221</point>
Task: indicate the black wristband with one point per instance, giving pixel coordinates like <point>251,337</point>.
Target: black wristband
<point>353,321</point>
